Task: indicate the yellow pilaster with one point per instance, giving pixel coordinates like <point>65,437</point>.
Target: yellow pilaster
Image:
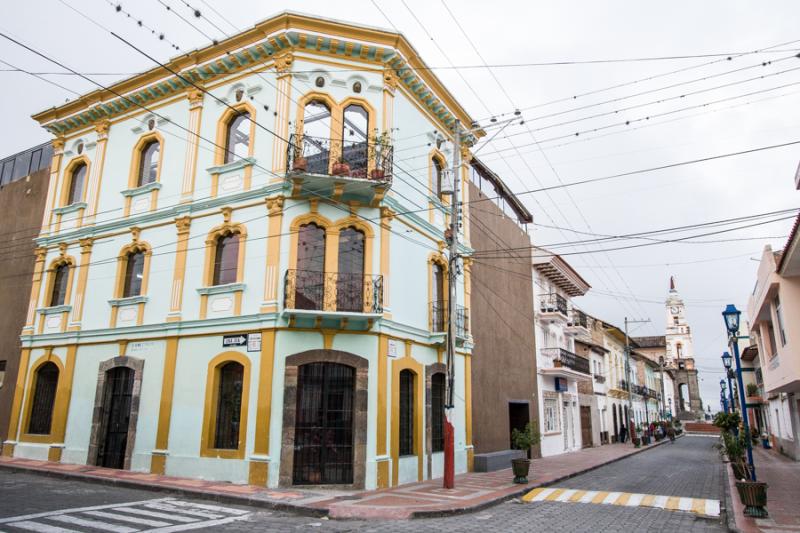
<point>468,409</point>
<point>52,189</point>
<point>16,406</point>
<point>383,465</point>
<point>272,273</point>
<point>93,198</point>
<point>398,365</point>
<point>83,274</point>
<point>387,215</point>
<point>195,97</point>
<point>63,397</point>
<point>183,225</point>
<point>283,66</point>
<point>259,469</point>
<point>38,274</point>
<point>159,459</point>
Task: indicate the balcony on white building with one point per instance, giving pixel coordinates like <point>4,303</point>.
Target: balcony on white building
<point>577,324</point>
<point>560,362</point>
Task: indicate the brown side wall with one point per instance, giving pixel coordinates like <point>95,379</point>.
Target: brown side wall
<point>21,207</point>
<point>504,357</point>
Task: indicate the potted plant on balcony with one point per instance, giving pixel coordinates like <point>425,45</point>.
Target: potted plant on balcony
<point>299,164</point>
<point>379,144</point>
<point>524,440</point>
<point>341,168</point>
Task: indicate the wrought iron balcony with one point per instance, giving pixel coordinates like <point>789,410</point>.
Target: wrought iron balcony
<point>564,358</point>
<point>578,323</point>
<point>440,319</point>
<point>553,307</point>
<point>599,378</point>
<point>332,292</point>
<point>339,169</point>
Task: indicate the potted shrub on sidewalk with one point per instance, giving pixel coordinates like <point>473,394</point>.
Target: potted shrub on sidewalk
<point>753,495</point>
<point>524,440</point>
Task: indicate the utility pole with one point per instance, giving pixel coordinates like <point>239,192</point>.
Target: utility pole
<point>452,301</point>
<point>628,369</point>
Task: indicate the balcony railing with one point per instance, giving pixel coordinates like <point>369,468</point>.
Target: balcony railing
<point>333,291</point>
<point>759,377</point>
<point>599,378</point>
<point>579,318</point>
<point>362,159</point>
<point>564,358</point>
<point>440,318</point>
<point>550,303</point>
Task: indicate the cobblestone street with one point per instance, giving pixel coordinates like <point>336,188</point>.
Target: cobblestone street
<point>689,468</point>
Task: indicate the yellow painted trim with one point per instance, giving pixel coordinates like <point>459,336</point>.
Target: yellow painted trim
<point>66,180</point>
<point>195,98</point>
<point>183,226</point>
<point>271,272</point>
<point>259,471</point>
<point>224,229</point>
<point>436,258</point>
<point>58,414</point>
<point>398,365</point>
<point>158,462</point>
<point>122,266</point>
<point>63,397</point>
<point>468,410</point>
<point>210,412</point>
<point>83,275</point>
<point>16,405</point>
<point>61,260</point>
<point>101,129</point>
<point>387,215</point>
<point>383,356</point>
<point>36,285</point>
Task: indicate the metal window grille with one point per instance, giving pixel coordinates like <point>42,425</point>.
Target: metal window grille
<point>406,412</point>
<point>437,412</point>
<point>229,406</point>
<point>44,397</point>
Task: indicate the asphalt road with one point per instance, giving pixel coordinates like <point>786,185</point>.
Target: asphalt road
<point>689,468</point>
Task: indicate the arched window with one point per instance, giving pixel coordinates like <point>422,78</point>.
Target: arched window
<point>77,182</point>
<point>354,139</point>
<point>350,278</point>
<point>310,274</point>
<point>134,274</point>
<point>316,136</point>
<point>60,280</point>
<point>438,303</point>
<point>438,172</point>
<point>237,138</point>
<point>148,163</point>
<point>226,259</point>
<point>679,349</point>
<point>229,406</point>
<point>44,398</point>
<point>437,412</point>
<point>406,430</point>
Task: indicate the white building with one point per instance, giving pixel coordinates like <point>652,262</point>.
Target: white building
<point>559,368</point>
<point>216,296</point>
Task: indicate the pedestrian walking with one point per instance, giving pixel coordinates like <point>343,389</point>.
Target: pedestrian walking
<point>623,433</point>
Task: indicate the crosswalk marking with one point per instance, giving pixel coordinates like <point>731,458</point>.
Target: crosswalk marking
<point>163,515</point>
<point>698,506</point>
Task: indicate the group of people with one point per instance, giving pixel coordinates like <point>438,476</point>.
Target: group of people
<point>670,432</point>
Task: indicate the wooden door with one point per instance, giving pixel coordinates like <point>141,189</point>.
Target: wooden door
<point>117,406</point>
<point>586,426</point>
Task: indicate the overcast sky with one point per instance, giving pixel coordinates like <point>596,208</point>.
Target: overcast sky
<point>631,282</point>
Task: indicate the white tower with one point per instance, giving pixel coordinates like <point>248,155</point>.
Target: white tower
<point>678,333</point>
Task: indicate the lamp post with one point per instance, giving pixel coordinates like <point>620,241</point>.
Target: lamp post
<point>727,361</point>
<point>731,316</point>
<point>722,396</point>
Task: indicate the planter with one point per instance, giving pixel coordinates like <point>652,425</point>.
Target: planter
<point>340,169</point>
<point>520,467</point>
<point>300,164</point>
<point>753,495</point>
<point>637,442</point>
<point>377,174</point>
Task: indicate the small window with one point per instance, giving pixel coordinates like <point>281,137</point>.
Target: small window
<point>134,273</point>
<point>779,318</point>
<point>437,412</point>
<point>229,406</point>
<point>226,259</point>
<point>357,87</point>
<point>550,415</point>
<point>2,373</point>
<point>237,144</point>
<point>60,280</point>
<point>77,182</point>
<point>44,397</point>
<point>148,163</point>
<point>679,348</point>
<point>406,412</point>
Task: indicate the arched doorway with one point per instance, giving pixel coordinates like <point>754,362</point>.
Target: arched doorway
<point>324,420</point>
<point>616,427</point>
<point>683,399</point>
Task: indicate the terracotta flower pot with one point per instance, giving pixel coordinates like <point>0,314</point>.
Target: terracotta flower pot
<point>520,467</point>
<point>377,174</point>
<point>753,495</point>
<point>300,164</point>
<point>341,169</point>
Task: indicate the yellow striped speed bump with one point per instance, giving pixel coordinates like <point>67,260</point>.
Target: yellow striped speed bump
<point>698,506</point>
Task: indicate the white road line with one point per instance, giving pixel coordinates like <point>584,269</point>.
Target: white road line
<point>96,524</point>
<point>128,519</point>
<point>167,507</point>
<point>198,525</point>
<point>588,497</point>
<point>612,497</point>
<point>542,495</point>
<point>42,528</point>
<point>634,500</point>
<point>77,510</point>
<point>685,504</point>
<point>153,514</point>
<point>712,507</point>
<point>660,501</point>
<point>566,495</point>
<point>208,507</point>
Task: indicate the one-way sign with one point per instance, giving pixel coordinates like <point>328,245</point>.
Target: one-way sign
<point>234,340</point>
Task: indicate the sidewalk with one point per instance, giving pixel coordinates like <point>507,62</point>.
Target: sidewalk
<point>473,490</point>
<point>783,477</point>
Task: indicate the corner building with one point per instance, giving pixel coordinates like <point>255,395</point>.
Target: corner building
<point>215,296</point>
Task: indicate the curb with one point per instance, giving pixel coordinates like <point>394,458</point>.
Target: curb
<point>730,514</point>
<point>491,503</point>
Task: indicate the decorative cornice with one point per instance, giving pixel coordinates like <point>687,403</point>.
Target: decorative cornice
<point>54,310</point>
<point>144,189</point>
<point>234,165</point>
<point>131,300</point>
<point>221,289</point>
<point>77,206</point>
<point>275,205</point>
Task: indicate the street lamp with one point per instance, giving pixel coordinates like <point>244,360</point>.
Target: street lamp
<point>731,316</point>
<point>722,395</point>
<point>727,361</point>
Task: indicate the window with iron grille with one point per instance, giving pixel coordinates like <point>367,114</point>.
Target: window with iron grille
<point>134,273</point>
<point>229,406</point>
<point>406,412</point>
<point>437,412</point>
<point>44,397</point>
<point>226,259</point>
<point>550,415</point>
<point>60,279</point>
